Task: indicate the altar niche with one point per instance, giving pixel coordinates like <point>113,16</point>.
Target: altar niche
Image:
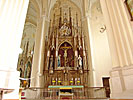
<point>66,55</point>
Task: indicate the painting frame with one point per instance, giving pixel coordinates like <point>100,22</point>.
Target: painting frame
<point>129,5</point>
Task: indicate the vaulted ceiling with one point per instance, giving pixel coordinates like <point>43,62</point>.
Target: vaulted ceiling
<point>46,5</point>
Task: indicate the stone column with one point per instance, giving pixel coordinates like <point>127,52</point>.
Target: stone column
<point>38,58</point>
<point>121,46</point>
<point>89,50</point>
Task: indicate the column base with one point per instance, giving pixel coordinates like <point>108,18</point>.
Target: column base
<point>121,82</point>
<point>38,81</point>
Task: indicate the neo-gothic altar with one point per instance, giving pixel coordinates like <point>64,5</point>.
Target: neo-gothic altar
<point>66,62</point>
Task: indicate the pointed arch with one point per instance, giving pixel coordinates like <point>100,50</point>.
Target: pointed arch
<point>64,42</point>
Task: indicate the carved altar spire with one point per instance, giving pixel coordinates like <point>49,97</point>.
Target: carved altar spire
<point>70,19</point>
<point>77,19</point>
<point>53,33</point>
<point>65,18</point>
<point>53,46</point>
<point>53,23</point>
<point>60,19</point>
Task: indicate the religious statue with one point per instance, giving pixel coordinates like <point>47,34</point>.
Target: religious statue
<point>59,60</point>
<point>80,61</point>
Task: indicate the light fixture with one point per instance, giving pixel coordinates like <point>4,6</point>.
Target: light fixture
<point>102,29</point>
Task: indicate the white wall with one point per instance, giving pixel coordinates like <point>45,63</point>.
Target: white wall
<point>101,54</point>
<point>12,18</point>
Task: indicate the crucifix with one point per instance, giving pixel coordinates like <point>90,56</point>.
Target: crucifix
<point>65,48</point>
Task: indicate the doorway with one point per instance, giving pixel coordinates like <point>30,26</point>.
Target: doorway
<point>106,85</point>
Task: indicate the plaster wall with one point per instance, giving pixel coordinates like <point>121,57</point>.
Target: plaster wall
<point>12,17</point>
<point>120,41</point>
<point>101,53</point>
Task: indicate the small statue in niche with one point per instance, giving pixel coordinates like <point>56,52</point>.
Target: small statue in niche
<point>80,61</point>
<point>59,60</point>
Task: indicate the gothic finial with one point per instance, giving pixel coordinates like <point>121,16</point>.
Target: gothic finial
<point>70,19</point>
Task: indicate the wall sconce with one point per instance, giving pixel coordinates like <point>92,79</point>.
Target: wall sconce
<point>102,29</point>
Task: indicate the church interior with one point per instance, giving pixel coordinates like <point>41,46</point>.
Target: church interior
<point>66,49</point>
